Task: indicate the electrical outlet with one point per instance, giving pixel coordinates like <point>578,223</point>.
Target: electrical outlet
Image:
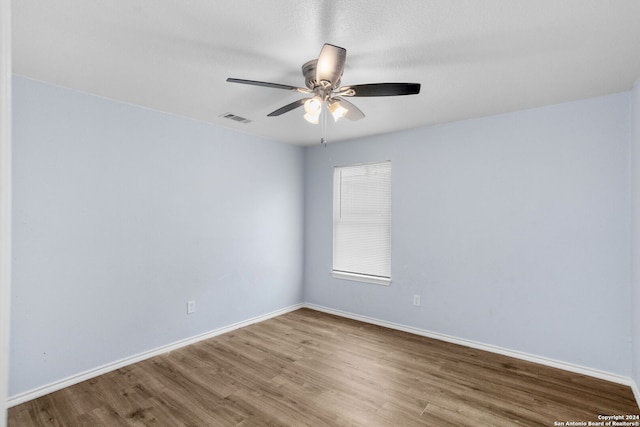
<point>416,300</point>
<point>191,307</point>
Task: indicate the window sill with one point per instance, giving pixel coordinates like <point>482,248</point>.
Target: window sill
<point>376,280</point>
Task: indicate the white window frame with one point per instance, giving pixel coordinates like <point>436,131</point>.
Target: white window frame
<point>341,268</point>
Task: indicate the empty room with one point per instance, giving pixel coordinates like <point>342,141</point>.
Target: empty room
<point>320,213</point>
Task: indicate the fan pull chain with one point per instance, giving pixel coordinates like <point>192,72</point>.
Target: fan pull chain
<point>323,113</point>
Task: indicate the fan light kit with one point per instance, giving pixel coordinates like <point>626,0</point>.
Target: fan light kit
<point>322,78</point>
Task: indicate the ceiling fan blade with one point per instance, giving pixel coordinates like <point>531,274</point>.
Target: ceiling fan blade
<point>288,107</point>
<point>330,64</point>
<point>381,89</point>
<point>353,113</point>
<point>267,84</point>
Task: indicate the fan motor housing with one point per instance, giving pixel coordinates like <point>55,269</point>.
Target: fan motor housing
<point>309,73</point>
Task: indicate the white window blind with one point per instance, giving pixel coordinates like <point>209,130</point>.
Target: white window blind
<point>362,222</point>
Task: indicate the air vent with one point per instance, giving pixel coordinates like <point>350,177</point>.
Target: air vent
<point>231,116</point>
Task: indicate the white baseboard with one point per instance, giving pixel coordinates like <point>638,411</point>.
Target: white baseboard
<point>101,370</point>
<point>58,385</point>
<point>636,391</point>
<point>608,376</point>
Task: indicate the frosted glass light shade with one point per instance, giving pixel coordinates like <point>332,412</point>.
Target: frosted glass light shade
<point>313,119</point>
<point>312,106</point>
<point>337,110</point>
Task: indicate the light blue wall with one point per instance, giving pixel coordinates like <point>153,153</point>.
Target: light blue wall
<point>635,229</point>
<point>514,229</point>
<point>122,214</point>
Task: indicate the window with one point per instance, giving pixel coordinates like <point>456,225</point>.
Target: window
<point>362,223</point>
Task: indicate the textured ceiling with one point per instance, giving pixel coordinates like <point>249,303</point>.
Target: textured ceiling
<point>473,57</point>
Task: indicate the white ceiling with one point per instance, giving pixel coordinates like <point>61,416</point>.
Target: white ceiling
<point>473,57</point>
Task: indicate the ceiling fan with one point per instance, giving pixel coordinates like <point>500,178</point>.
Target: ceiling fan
<point>322,78</point>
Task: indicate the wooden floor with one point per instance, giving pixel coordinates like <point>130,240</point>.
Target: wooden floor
<point>311,368</point>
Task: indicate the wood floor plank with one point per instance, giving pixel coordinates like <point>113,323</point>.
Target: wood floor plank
<point>308,368</point>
